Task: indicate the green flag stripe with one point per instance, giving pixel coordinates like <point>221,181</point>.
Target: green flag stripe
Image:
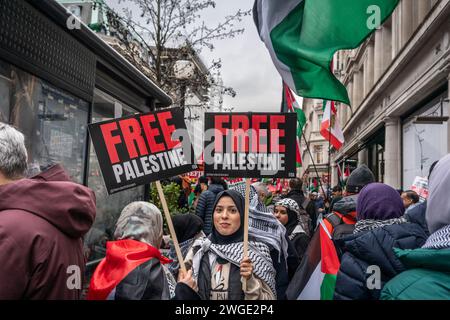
<point>313,31</point>
<point>327,287</point>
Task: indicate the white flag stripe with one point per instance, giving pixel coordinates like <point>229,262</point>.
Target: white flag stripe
<point>311,291</point>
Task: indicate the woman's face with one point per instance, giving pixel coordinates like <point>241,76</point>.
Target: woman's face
<point>227,219</point>
<point>281,214</point>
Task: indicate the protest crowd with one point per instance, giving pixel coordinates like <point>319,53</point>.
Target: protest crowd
<point>362,240</point>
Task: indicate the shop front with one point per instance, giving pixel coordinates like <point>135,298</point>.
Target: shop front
<point>53,82</point>
<point>425,138</point>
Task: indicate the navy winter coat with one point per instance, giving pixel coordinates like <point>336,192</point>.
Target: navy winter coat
<point>205,206</point>
<point>373,248</point>
<point>417,215</point>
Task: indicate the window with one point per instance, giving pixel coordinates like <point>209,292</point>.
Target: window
<point>53,121</point>
<point>109,207</point>
<point>319,121</point>
<point>318,151</point>
<point>423,143</point>
<point>5,91</point>
<point>75,10</point>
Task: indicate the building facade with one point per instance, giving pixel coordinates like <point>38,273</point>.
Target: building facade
<point>315,154</point>
<point>54,81</point>
<point>398,83</point>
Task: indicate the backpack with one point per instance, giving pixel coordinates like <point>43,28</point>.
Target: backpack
<point>341,228</point>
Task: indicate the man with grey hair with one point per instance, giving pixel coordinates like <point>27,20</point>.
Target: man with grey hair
<point>42,222</point>
<point>262,191</point>
<point>13,154</point>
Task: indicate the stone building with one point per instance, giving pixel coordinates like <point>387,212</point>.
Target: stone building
<point>398,83</point>
<point>316,169</point>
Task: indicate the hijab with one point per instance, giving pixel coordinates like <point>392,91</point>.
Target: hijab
<point>293,212</point>
<point>238,236</point>
<point>187,226</point>
<point>378,201</point>
<point>140,221</point>
<point>438,204</point>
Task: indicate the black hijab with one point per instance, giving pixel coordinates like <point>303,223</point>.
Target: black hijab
<point>238,236</point>
<point>187,226</point>
<point>292,221</point>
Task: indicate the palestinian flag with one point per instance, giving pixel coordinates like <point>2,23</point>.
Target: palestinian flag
<point>340,177</point>
<point>303,35</point>
<point>122,257</point>
<point>347,172</point>
<point>292,104</point>
<point>330,128</point>
<point>316,277</point>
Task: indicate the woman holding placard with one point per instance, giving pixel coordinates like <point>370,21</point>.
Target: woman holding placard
<point>217,262</point>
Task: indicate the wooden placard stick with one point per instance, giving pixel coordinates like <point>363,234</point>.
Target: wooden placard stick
<point>247,205</point>
<point>170,225</point>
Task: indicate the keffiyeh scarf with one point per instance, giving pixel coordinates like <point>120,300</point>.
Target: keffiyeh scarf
<point>258,253</point>
<point>439,239</point>
<point>263,226</point>
<point>369,224</point>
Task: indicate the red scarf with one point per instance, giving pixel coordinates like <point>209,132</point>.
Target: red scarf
<point>122,257</point>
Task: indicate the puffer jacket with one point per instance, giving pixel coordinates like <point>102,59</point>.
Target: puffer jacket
<point>373,248</point>
<point>417,215</point>
<point>205,206</point>
<point>341,222</point>
<point>427,277</point>
<point>346,205</point>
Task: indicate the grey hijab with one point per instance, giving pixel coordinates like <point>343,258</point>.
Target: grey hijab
<point>438,204</point>
<point>140,221</point>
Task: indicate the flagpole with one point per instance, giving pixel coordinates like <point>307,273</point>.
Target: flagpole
<point>329,157</point>
<point>312,160</point>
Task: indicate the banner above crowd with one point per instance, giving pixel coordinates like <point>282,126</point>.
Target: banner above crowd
<point>142,148</point>
<point>251,145</point>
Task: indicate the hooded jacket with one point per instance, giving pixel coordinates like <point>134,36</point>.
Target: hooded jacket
<point>343,218</point>
<point>373,248</point>
<point>205,206</point>
<point>371,244</point>
<point>428,274</point>
<point>42,222</point>
<point>427,277</point>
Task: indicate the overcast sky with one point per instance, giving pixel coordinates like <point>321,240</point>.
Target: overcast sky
<point>246,64</point>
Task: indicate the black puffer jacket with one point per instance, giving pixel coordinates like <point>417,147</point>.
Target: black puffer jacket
<point>373,248</point>
<point>205,206</point>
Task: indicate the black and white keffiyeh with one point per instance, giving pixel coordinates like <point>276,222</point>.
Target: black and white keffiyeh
<point>170,281</point>
<point>258,253</point>
<point>439,239</point>
<point>289,204</point>
<point>370,224</point>
<point>262,224</point>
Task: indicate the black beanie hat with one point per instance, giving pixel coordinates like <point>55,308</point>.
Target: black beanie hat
<point>359,178</point>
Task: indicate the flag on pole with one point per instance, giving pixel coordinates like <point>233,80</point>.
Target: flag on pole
<point>320,266</point>
<point>291,103</point>
<point>303,35</point>
<point>330,128</point>
<point>347,172</point>
<point>340,177</point>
